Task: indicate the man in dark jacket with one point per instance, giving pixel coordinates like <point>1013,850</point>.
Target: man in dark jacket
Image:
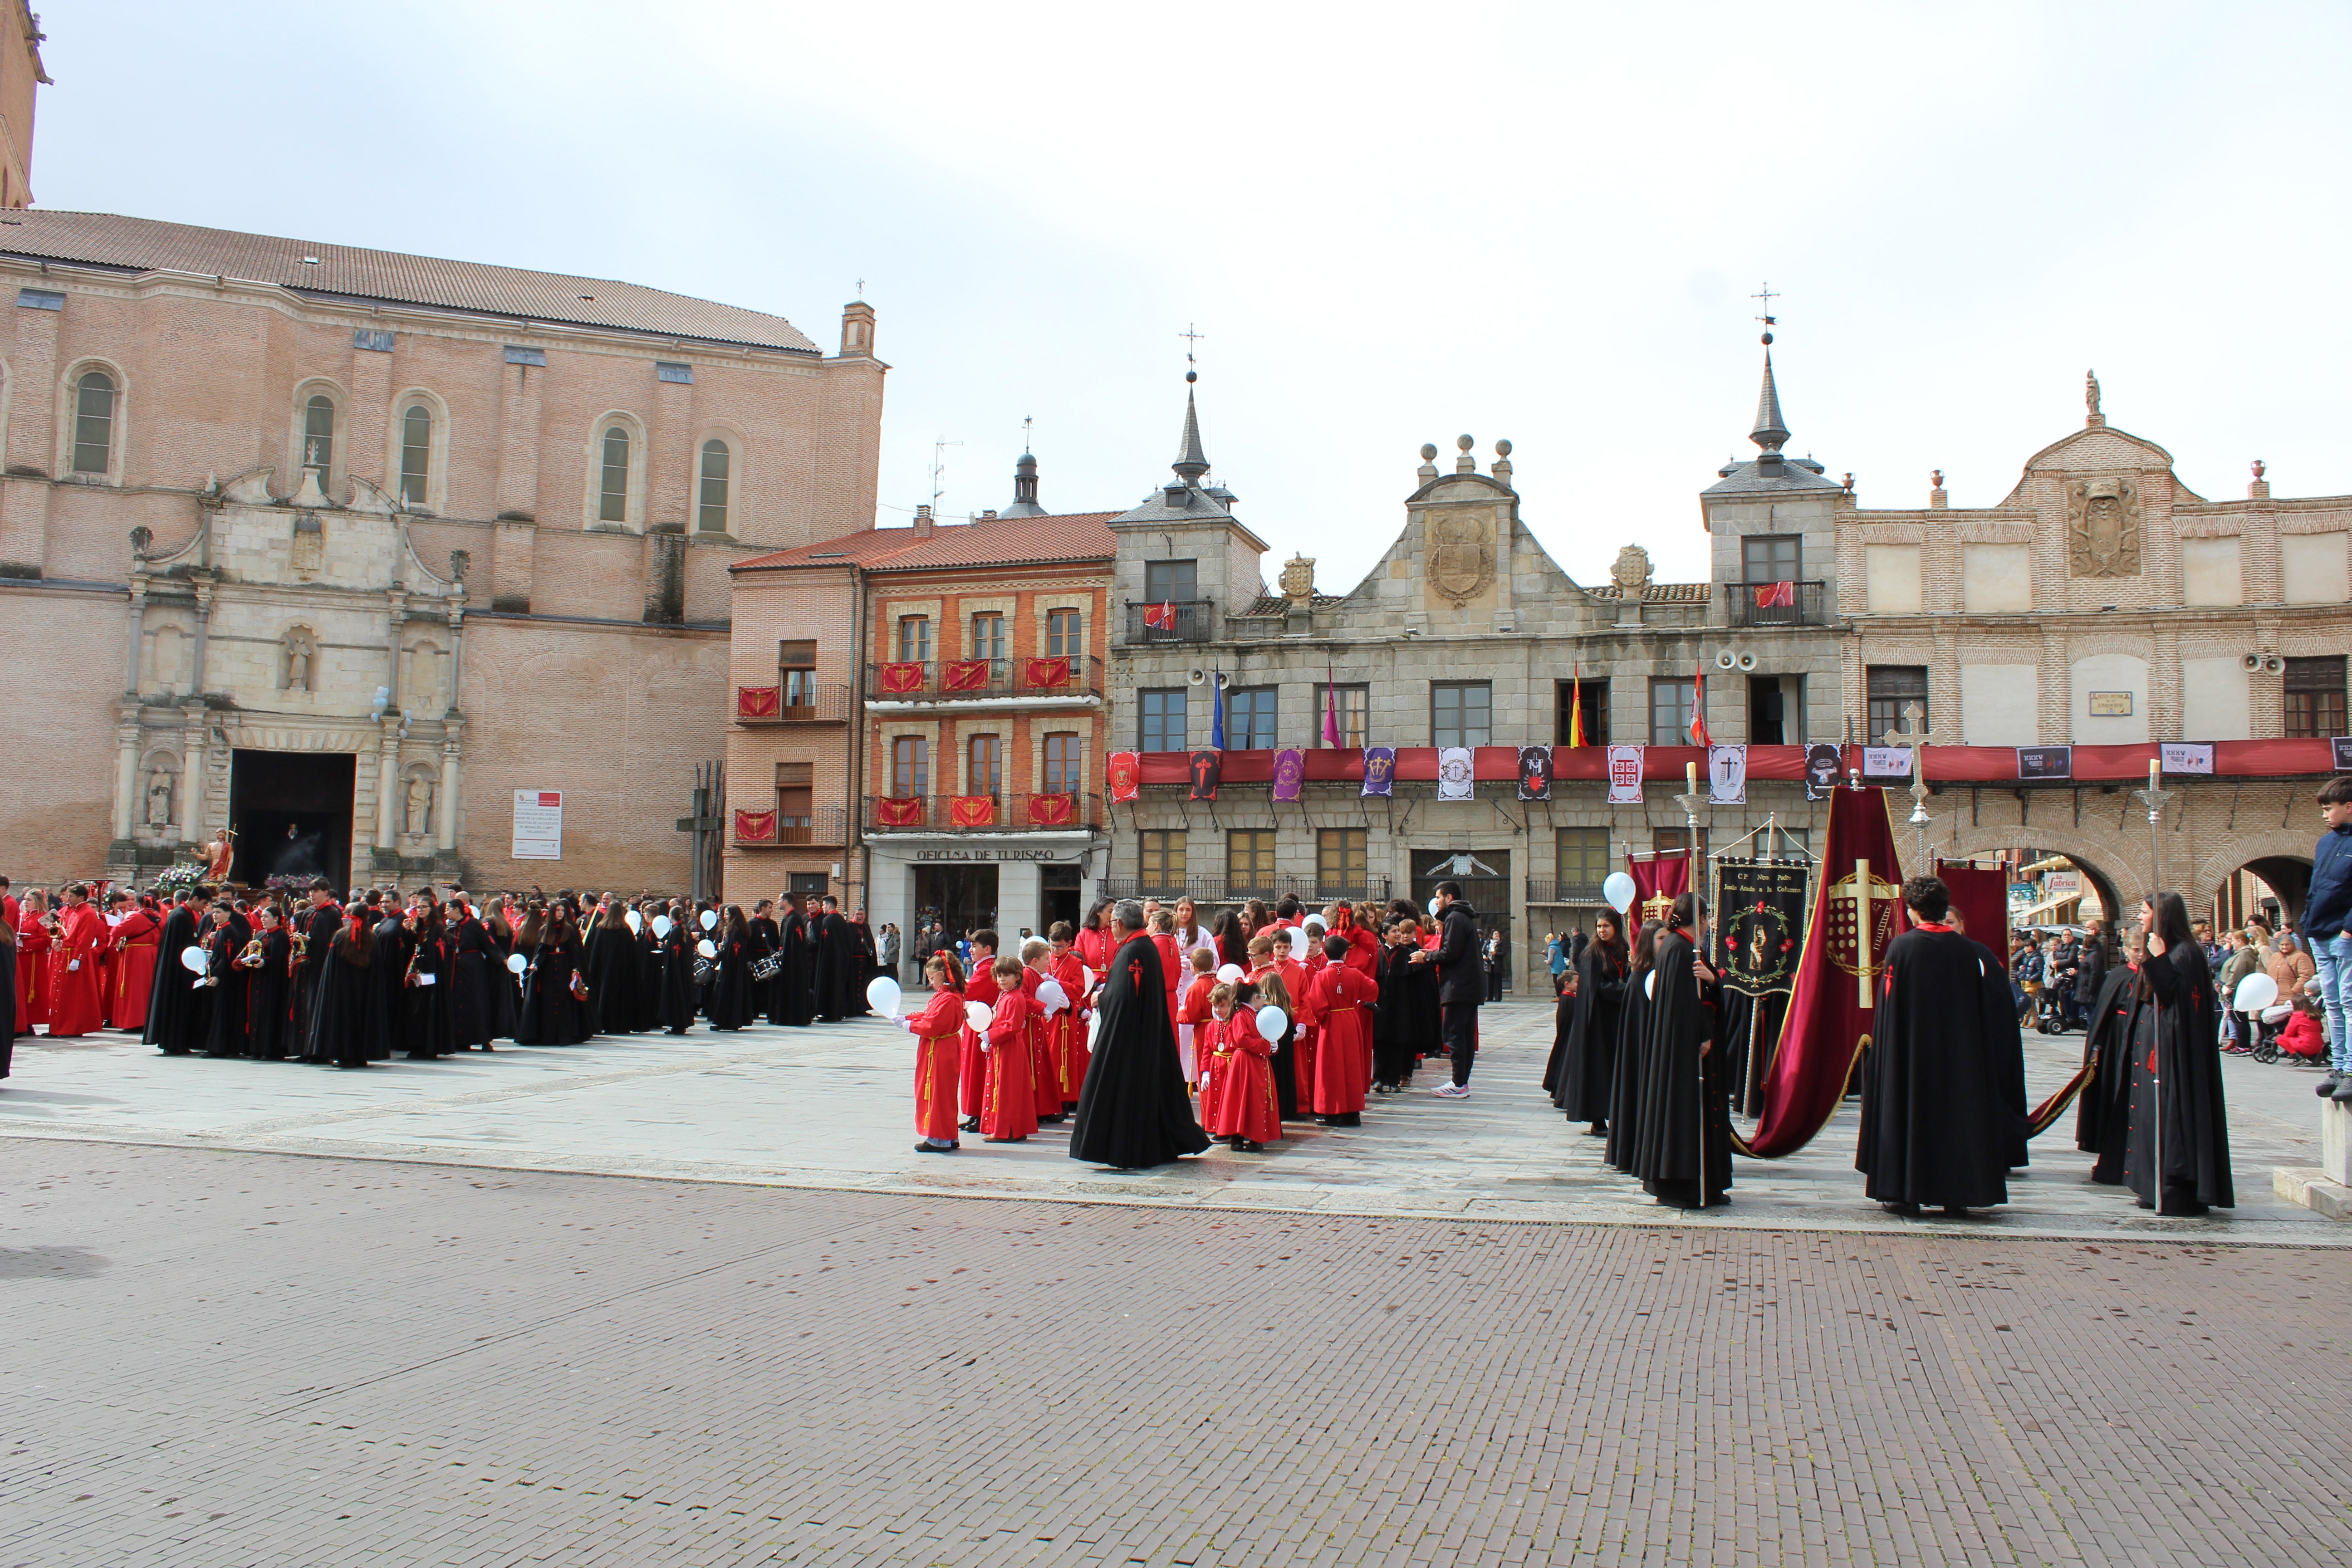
<point>1461,983</point>
<point>2327,927</point>
<point>2090,971</point>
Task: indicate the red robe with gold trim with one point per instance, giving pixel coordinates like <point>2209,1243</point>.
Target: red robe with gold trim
<point>938,1061</point>
<point>1066,1031</point>
<point>1340,1000</point>
<point>1045,1081</point>
<point>972,1089</point>
<point>32,973</point>
<point>1010,1111</point>
<point>131,979</point>
<point>1242,1104</point>
<point>77,997</point>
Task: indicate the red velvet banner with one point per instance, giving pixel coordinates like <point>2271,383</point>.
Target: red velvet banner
<point>1047,674</point>
<point>899,679</point>
<point>1981,898</point>
<point>754,826</point>
<point>899,811</point>
<point>964,674</point>
<point>1834,1008</point>
<point>757,702</point>
<point>1123,772</point>
<point>1053,810</point>
<point>972,811</point>
<point>1657,883</point>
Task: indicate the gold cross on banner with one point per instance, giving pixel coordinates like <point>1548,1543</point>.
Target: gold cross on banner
<point>1861,943</point>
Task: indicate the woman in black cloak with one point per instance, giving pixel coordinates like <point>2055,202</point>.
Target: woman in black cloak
<point>795,993</point>
<point>1133,1112</point>
<point>427,1030</point>
<point>679,996</point>
<point>269,996</point>
<point>179,1010</point>
<point>731,988</point>
<point>1588,1073</point>
<point>2103,1111</point>
<point>2176,1108</point>
<point>1632,1026</point>
<point>611,968</point>
<point>477,979</point>
<point>231,983</point>
<point>338,1017</point>
<point>1682,1152</point>
<point>1394,1041</point>
<point>767,940</point>
<point>551,1013</point>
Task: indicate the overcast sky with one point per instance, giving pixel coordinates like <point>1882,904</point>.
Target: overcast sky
<point>1393,225</point>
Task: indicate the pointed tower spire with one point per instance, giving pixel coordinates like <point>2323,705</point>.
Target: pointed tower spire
<point>1024,490</point>
<point>1191,462</point>
<point>1770,433</point>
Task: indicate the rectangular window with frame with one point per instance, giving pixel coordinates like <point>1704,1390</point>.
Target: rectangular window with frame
<point>1171,582</point>
<point>1249,862</point>
<point>1461,714</point>
<point>1342,860</point>
<point>1249,719</point>
<point>1771,557</point>
<point>795,801</point>
<point>988,636</point>
<point>1160,719</point>
<point>914,639</point>
<point>2315,698</point>
<point>1062,638</point>
<point>1162,857</point>
<point>796,672</point>
<point>984,765</point>
<point>1583,861</point>
<point>911,766</point>
<point>1670,709</point>
<point>1065,759</point>
<point>1595,703</point>
<point>1891,688</point>
<point>1355,708</point>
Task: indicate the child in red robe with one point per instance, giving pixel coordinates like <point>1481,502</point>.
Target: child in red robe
<point>972,1089</point>
<point>1009,1113</point>
<point>1242,1107</point>
<point>1340,1000</point>
<point>1193,1011</point>
<point>1066,1031</point>
<point>1269,955</point>
<point>1044,1079</point>
<point>939,1032</point>
<point>1171,961</point>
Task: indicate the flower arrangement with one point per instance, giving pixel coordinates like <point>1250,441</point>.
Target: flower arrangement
<point>186,874</point>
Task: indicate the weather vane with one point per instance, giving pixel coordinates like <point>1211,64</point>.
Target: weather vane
<point>1191,339</point>
<point>1766,295</point>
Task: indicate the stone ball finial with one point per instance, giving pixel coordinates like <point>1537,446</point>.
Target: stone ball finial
<point>1464,442</point>
<point>1502,448</point>
<point>1429,451</point>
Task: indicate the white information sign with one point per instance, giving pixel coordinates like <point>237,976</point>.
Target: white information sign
<point>538,825</point>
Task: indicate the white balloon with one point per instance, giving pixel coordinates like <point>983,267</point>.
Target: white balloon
<point>710,919</point>
<point>1051,997</point>
<point>1230,973</point>
<point>1086,977</point>
<point>978,1016</point>
<point>194,959</point>
<point>1272,1021</point>
<point>636,922</point>
<point>1094,1027</point>
<point>1432,905</point>
<point>518,962</point>
<point>2255,991</point>
<point>882,995</point>
<point>708,948</point>
<point>1619,890</point>
<point>1298,943</point>
<point>1650,985</point>
<point>661,927</point>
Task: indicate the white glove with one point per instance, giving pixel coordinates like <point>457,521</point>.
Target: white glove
<point>906,1024</point>
<point>72,964</point>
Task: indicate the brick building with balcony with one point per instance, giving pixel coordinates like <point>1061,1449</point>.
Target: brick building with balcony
<point>920,719</point>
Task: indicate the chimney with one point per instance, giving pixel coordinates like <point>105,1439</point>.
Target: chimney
<point>857,330</point>
<point>923,523</point>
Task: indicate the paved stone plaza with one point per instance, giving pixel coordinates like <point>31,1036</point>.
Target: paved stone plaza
<point>1339,1352</point>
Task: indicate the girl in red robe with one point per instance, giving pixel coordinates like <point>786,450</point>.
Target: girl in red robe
<point>1293,1060</point>
<point>1009,1113</point>
<point>1066,1031</point>
<point>973,1091</point>
<point>1044,1080</point>
<point>1242,1108</point>
<point>1340,1000</point>
<point>939,1031</point>
<point>1192,1012</point>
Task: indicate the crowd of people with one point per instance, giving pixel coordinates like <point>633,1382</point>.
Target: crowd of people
<point>198,971</point>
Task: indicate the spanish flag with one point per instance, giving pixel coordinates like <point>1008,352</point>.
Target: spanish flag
<point>1576,710</point>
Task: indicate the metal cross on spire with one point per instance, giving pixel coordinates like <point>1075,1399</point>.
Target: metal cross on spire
<point>861,288</point>
<point>1766,294</point>
<point>1192,339</point>
<point>1025,433</point>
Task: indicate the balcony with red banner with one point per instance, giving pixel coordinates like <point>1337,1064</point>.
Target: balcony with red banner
<point>952,813</point>
<point>826,826</point>
<point>1063,681</point>
<point>792,703</point>
<point>1777,603</point>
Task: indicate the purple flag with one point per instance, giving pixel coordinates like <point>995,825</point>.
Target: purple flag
<point>1380,769</point>
<point>1289,773</point>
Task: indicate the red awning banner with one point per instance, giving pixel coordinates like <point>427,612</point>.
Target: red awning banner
<point>754,826</point>
<point>899,811</point>
<point>972,811</point>
<point>964,674</point>
<point>1053,810</point>
<point>758,701</point>
<point>1046,674</point>
<point>899,679</point>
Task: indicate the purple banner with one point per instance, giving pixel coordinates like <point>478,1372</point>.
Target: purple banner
<point>1289,773</point>
<point>1380,770</point>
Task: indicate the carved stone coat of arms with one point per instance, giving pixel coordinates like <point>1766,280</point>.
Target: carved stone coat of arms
<point>1461,555</point>
<point>2102,525</point>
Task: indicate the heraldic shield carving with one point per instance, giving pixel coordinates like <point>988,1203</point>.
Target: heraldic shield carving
<point>2103,524</point>
<point>1461,555</point>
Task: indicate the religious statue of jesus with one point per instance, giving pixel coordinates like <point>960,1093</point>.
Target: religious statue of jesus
<point>217,855</point>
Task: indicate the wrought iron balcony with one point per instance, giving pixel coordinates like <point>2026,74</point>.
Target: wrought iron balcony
<point>1551,891</point>
<point>1075,811</point>
<point>1219,889</point>
<point>982,679</point>
<point>1170,620</point>
<point>792,703</point>
<point>826,826</point>
<point>1777,603</point>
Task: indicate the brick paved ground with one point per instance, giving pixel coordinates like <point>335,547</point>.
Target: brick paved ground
<point>230,1358</point>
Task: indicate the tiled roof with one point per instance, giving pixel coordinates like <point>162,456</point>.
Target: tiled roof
<point>144,245</point>
<point>1661,592</point>
<point>1276,605</point>
<point>995,541</point>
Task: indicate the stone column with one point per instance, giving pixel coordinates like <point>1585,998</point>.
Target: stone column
<point>446,825</point>
<point>126,768</point>
<point>192,769</point>
<point>395,619</point>
<point>387,778</point>
<point>138,633</point>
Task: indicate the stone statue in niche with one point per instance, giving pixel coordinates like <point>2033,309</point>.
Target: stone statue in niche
<point>420,807</point>
<point>302,657</point>
<point>159,798</point>
<point>2102,526</point>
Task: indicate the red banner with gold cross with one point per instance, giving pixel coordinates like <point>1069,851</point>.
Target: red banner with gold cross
<point>754,826</point>
<point>902,677</point>
<point>964,674</point>
<point>1053,810</point>
<point>972,811</point>
<point>898,811</point>
<point>1047,674</point>
<point>758,701</point>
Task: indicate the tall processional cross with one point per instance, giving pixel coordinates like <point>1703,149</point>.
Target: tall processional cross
<point>1913,732</point>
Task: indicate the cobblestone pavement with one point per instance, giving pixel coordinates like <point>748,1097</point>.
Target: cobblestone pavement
<point>831,1107</point>
<point>222,1358</point>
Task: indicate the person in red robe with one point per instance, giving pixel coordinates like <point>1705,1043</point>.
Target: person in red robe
<point>1172,957</point>
<point>1363,944</point>
<point>939,1031</point>
<point>1093,943</point>
<point>76,1000</point>
<point>1044,1082</point>
<point>1243,1111</point>
<point>1293,1057</point>
<point>1066,1031</point>
<point>1340,1000</point>
<point>972,1087</point>
<point>131,979</point>
<point>1193,1011</point>
<point>34,938</point>
<point>1009,1113</point>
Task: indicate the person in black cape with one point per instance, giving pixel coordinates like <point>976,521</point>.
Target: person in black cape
<point>840,967</point>
<point>679,996</point>
<point>795,993</point>
<point>1588,1071</point>
<point>389,942</point>
<point>179,1010</point>
<point>2176,1066</point>
<point>231,983</point>
<point>1632,1026</point>
<point>316,922</point>
<point>1682,1150</point>
<point>767,942</point>
<point>551,1014</point>
<point>2007,1047</point>
<point>426,1031</point>
<point>1938,1128</point>
<point>339,1029</point>
<point>1133,1112</point>
<point>731,988</point>
<point>2103,1109</point>
<point>476,974</point>
<point>614,971</point>
<point>267,1033</point>
<point>1397,1041</point>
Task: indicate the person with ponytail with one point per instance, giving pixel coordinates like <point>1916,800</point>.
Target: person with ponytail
<point>2178,1121</point>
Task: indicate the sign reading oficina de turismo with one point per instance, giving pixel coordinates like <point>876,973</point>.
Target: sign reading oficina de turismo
<point>538,825</point>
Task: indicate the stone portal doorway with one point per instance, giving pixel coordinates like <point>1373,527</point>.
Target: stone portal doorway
<point>291,811</point>
<point>963,898</point>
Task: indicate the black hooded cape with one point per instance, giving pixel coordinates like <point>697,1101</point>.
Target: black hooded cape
<point>1133,1112</point>
<point>1938,1126</point>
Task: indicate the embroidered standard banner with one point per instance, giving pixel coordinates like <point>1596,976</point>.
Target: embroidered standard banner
<point>1289,773</point>
<point>972,811</point>
<point>964,674</point>
<point>1658,881</point>
<point>1535,772</point>
<point>1455,773</point>
<point>1762,922</point>
<point>1821,764</point>
<point>754,826</point>
<point>1624,775</point>
<point>2186,757</point>
<point>758,701</point>
<point>1047,674</point>
<point>1206,768</point>
<point>899,679</point>
<point>1123,770</point>
<point>1053,810</point>
<point>899,811</point>
<point>1727,775</point>
<point>1380,770</point>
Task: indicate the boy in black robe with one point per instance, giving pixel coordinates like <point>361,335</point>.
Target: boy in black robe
<point>1682,1150</point>
<point>840,967</point>
<point>1133,1111</point>
<point>266,1037</point>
